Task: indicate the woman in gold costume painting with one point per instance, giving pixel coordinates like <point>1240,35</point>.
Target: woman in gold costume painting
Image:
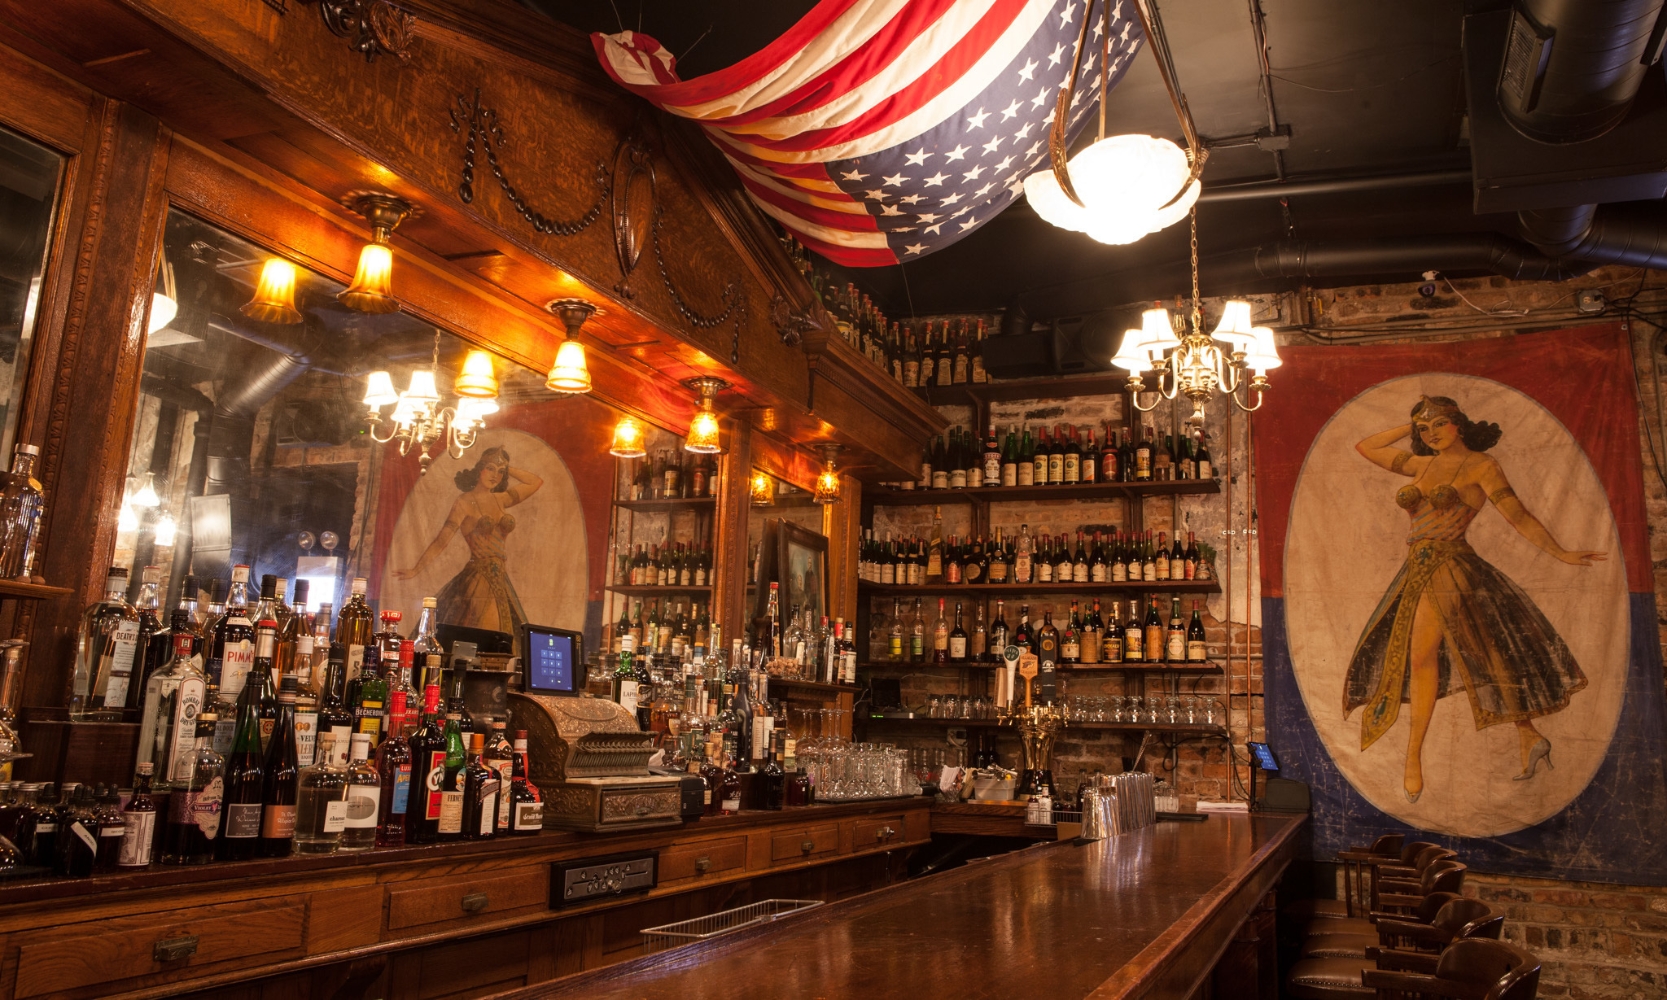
<point>480,595</point>
<point>1450,619</point>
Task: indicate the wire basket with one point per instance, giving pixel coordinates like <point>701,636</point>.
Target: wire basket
<point>721,923</point>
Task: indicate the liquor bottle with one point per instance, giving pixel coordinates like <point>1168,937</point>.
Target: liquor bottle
<point>1025,473</point>
<point>245,784</point>
<point>1089,469</point>
<point>1175,641</point>
<point>1109,470</point>
<point>975,564</point>
<point>1079,562</point>
<point>499,757</point>
<point>139,821</point>
<point>192,831</point>
<point>173,699</point>
<point>1206,470</point>
<point>231,657</point>
<point>1191,557</point>
<point>1186,462</point>
<point>1070,640</point>
<point>1042,460</point>
<point>1111,640</point>
<point>1047,650</point>
<point>1093,627</point>
<point>934,549</point>
<point>992,465</point>
<point>334,717</point>
<point>1024,551</point>
<point>1143,454</point>
<point>1071,474</point>
<point>1126,457</point>
<point>1021,635</point>
<point>321,802</point>
<point>1133,571</point>
<point>450,824</point>
<point>940,636</point>
<point>1197,644</point>
<point>1042,561</point>
<point>78,836</point>
<point>364,797</point>
<point>999,568</point>
<point>1133,637</point>
<point>978,645</point>
<point>894,636</point>
<point>917,635</point>
<point>277,829</point>
<point>526,810</point>
<point>428,771</point>
<point>112,827</point>
<point>106,648</point>
<point>625,692</point>
<point>291,630</point>
<point>22,504</point>
<point>1065,564</point>
<point>480,793</point>
<point>1160,558</point>
<point>37,830</point>
<point>957,638</point>
<point>354,627</point>
<point>775,776</point>
<point>266,643</point>
<point>266,607</point>
<point>1163,458</point>
<point>956,461</point>
<point>425,639</point>
<point>370,698</point>
<point>1154,638</point>
<point>998,632</point>
<point>393,768</point>
<point>182,619</point>
<point>148,604</point>
<point>1148,562</point>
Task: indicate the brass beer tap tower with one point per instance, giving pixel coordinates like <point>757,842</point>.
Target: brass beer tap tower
<point>1038,726</point>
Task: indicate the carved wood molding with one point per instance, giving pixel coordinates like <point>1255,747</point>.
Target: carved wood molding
<point>486,135</point>
<point>792,324</point>
<point>371,27</point>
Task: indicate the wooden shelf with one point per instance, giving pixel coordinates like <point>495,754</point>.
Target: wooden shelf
<point>661,506</point>
<point>1129,727</point>
<point>1200,669</point>
<point>657,591</point>
<point>31,591</point>
<point>796,685</point>
<point>1000,589</point>
<point>1076,491</point>
<point>1007,390</point>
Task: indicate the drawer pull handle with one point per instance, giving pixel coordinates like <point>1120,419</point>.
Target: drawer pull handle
<point>701,864</point>
<point>174,949</point>
<point>807,846</point>
<point>475,902</point>
<point>642,809</point>
<point>885,833</point>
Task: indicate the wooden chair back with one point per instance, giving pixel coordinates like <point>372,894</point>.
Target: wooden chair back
<point>1508,972</point>
<point>1468,918</point>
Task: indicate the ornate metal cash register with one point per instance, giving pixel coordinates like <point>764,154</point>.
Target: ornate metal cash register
<point>586,755</point>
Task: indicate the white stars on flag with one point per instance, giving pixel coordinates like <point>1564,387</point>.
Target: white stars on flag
<point>1011,110</point>
<point>1027,69</point>
<point>1057,54</point>
<point>936,179</point>
<point>915,248</point>
<point>875,195</point>
<point>854,175</point>
<point>952,199</point>
<point>977,120</point>
<point>1065,15</point>
<point>990,147</point>
<point>916,158</point>
<point>959,152</point>
<point>972,174</point>
<point>895,180</point>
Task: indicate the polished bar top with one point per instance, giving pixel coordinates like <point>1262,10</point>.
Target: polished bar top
<point>1063,921</point>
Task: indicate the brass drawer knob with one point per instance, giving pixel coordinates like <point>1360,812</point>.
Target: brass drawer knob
<point>885,833</point>
<point>475,902</point>
<point>807,846</point>
<point>174,949</point>
<point>701,864</point>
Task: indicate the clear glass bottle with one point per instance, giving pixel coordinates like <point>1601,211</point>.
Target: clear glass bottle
<point>139,830</point>
<point>231,658</point>
<point>106,650</point>
<point>354,627</point>
<point>321,802</point>
<point>173,699</point>
<point>364,798</point>
<point>22,504</point>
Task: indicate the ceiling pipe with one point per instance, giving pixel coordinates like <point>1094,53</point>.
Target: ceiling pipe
<point>1339,185</point>
<point>1411,256</point>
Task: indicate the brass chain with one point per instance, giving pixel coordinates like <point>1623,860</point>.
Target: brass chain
<point>1197,307</point>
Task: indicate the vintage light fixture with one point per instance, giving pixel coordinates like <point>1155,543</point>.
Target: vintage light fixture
<point>1120,188</point>
<point>704,436</point>
<point>628,439</point>
<point>1194,364</point>
<point>569,373</point>
<point>827,483</point>
<point>146,495</point>
<point>164,300</point>
<point>372,288</point>
<point>165,530</point>
<point>762,489</point>
<point>419,421</point>
<point>274,300</point>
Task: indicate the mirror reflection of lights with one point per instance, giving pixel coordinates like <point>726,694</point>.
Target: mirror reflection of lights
<point>419,421</point>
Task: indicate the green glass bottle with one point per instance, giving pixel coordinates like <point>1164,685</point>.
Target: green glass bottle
<point>451,794</point>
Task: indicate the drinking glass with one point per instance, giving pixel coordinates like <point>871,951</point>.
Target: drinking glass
<point>1154,708</point>
<point>1192,708</point>
<point>1172,709</point>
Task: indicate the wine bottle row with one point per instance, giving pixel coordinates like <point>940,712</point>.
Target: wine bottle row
<point>1095,557</point>
<point>1085,638</point>
<point>675,475</point>
<point>1067,455</point>
<point>671,564</point>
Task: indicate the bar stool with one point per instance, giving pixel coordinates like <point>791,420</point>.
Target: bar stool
<point>1467,969</point>
<point>1356,861</point>
<point>1445,875</point>
<point>1334,943</point>
<point>1443,918</point>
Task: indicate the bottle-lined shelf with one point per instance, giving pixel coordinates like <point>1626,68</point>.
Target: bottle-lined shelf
<point>1194,729</point>
<point>32,591</point>
<point>999,589</point>
<point>1070,491</point>
<point>656,591</point>
<point>798,685</point>
<point>668,504</point>
<point>1201,669</point>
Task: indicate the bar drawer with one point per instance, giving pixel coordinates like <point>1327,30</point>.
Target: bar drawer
<point>455,897</point>
<point>708,858</point>
<point>877,832</point>
<point>806,842</point>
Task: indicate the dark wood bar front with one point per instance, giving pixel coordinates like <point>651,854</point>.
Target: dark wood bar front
<point>1144,914</point>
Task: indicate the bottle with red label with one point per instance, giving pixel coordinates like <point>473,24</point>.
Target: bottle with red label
<point>428,772</point>
<point>393,765</point>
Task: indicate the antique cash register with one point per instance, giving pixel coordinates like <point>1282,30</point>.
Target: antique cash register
<point>586,755</point>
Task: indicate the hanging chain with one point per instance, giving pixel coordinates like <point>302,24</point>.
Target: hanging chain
<point>1197,307</point>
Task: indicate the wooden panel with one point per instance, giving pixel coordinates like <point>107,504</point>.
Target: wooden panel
<point>475,967</point>
<point>341,919</point>
<point>878,831</point>
<point>42,105</point>
<point>73,958</point>
<point>705,858</point>
<point>803,843</point>
<point>439,900</point>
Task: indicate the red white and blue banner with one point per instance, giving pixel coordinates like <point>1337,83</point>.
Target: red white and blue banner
<point>1459,616</point>
<point>879,131</point>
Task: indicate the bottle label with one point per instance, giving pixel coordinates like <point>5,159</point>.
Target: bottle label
<point>1044,572</point>
<point>732,805</point>
<point>506,776</point>
<point>1070,649</point>
<point>237,659</point>
<point>992,468</point>
<point>1024,474</point>
<point>940,479</point>
<point>1072,468</point>
<point>402,790</point>
<point>355,661</point>
<point>335,816</point>
<point>1177,650</point>
<point>1111,647</point>
<point>137,834</point>
<point>370,719</point>
<point>188,701</point>
<point>124,644</point>
<point>971,572</point>
<point>1131,645</point>
<point>343,742</point>
<point>1009,474</point>
<point>530,815</point>
<point>242,820</point>
<point>940,641</point>
<point>489,810</point>
<point>958,479</point>
<point>111,829</point>
<point>896,647</point>
<point>1143,463</point>
<point>278,823</point>
<point>1079,573</point>
<point>85,836</point>
<point>958,648</point>
<point>1119,572</point>
<point>628,695</point>
<point>998,571</point>
<point>1197,652</point>
<point>1056,468</point>
<point>306,738</point>
<point>1097,573</point>
<point>1204,470</point>
<point>434,780</point>
<point>451,812</point>
<point>362,805</point>
<point>1039,475</point>
<point>1021,567</point>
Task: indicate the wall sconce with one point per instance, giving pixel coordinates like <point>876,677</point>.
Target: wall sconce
<point>704,432</point>
<point>274,300</point>
<point>628,439</point>
<point>827,484</point>
<point>762,489</point>
<point>570,373</point>
<point>372,288</point>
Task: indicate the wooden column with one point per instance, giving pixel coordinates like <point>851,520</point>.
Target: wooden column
<point>729,531</point>
<point>842,523</point>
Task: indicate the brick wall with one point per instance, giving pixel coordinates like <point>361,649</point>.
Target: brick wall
<point>1593,939</point>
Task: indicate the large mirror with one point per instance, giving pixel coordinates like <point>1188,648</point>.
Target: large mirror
<point>29,178</point>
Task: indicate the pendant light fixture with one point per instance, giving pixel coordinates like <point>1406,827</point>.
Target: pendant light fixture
<point>704,436</point>
<point>570,373</point>
<point>419,421</point>
<point>274,300</point>
<point>1120,188</point>
<point>762,489</point>
<point>372,288</point>
<point>164,299</point>
<point>827,483</point>
<point>628,439</point>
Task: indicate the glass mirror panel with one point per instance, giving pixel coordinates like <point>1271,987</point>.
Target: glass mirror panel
<point>29,178</point>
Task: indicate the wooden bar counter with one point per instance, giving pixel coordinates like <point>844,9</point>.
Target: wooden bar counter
<point>1146,914</point>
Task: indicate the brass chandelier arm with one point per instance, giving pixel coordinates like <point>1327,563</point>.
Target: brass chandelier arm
<point>1152,26</point>
<point>1057,147</point>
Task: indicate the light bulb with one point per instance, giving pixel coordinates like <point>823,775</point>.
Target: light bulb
<point>166,527</point>
<point>704,434</point>
<point>827,486</point>
<point>128,519</point>
<point>763,491</point>
<point>147,496</point>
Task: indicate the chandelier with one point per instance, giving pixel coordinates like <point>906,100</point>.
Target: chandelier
<point>419,421</point>
<point>1120,188</point>
<point>1194,364</point>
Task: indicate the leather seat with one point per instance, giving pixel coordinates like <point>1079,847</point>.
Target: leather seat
<point>1441,918</point>
<point>1330,979</point>
<point>1386,849</point>
<point>1338,945</point>
<point>1309,909</point>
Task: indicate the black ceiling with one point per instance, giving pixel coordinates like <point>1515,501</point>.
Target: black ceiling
<point>1364,88</point>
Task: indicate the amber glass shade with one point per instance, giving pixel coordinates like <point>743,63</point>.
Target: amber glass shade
<point>827,486</point>
<point>628,439</point>
<point>704,434</point>
<point>274,300</point>
<point>569,373</point>
<point>477,380</point>
<point>763,489</point>
<point>372,290</point>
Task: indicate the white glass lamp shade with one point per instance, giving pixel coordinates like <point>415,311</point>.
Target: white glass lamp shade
<point>1131,354</point>
<point>1264,353</point>
<point>147,495</point>
<point>127,519</point>
<point>423,389</point>
<point>1125,182</point>
<point>1235,330</point>
<point>162,311</point>
<point>570,372</point>
<point>1158,333</point>
<point>379,390</point>
<point>1048,200</point>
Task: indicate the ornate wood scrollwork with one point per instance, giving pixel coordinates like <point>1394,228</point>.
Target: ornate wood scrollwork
<point>373,27</point>
<point>486,135</point>
<point>791,324</point>
<point>633,208</point>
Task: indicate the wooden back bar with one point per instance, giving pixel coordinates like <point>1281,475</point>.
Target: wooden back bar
<point>1145,914</point>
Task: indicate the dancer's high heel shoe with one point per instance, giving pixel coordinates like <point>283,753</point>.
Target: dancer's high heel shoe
<point>1413,796</point>
<point>1541,750</point>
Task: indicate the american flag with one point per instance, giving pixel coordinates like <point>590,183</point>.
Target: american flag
<point>879,131</point>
